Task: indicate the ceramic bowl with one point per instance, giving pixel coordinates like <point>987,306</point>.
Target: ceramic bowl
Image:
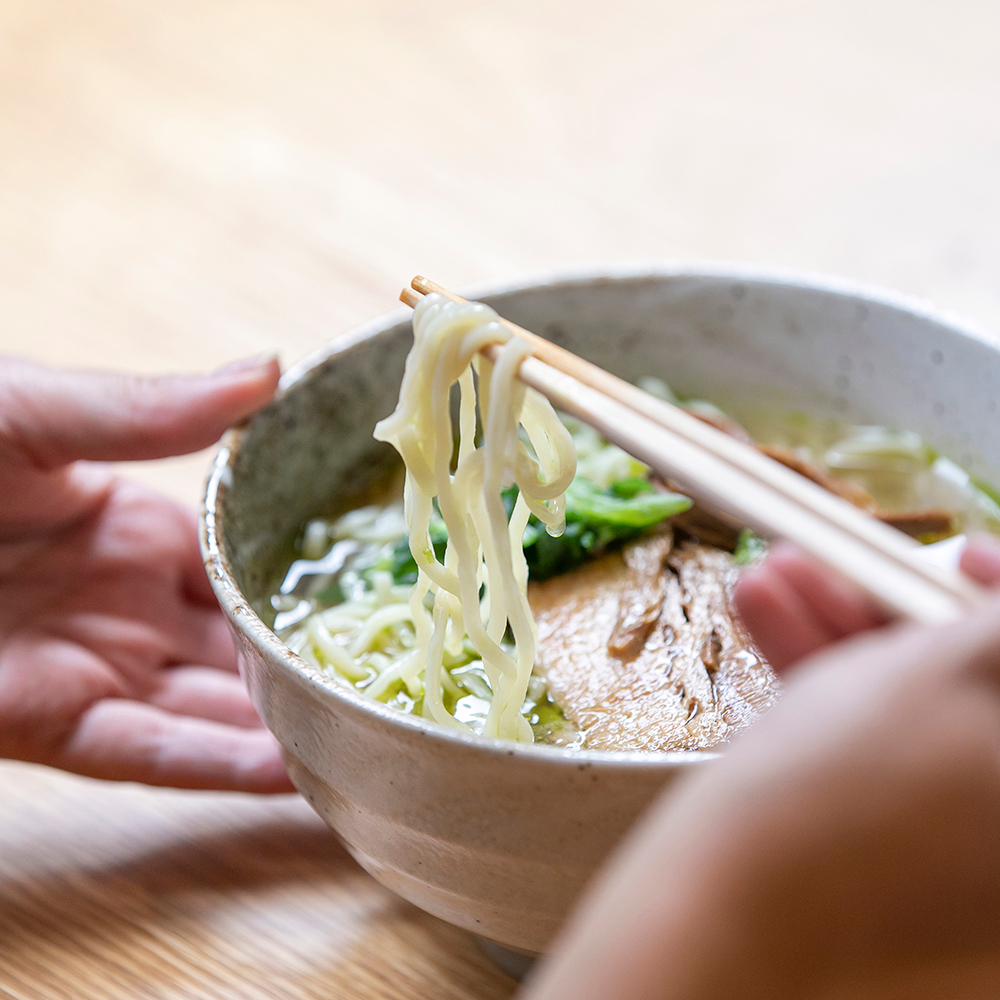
<point>498,837</point>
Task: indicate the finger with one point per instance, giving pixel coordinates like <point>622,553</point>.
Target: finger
<point>121,740</point>
<point>963,648</point>
<point>981,560</point>
<point>841,607</point>
<point>204,693</point>
<point>194,577</point>
<point>972,643</point>
<point>53,417</point>
<point>783,627</point>
<point>204,638</point>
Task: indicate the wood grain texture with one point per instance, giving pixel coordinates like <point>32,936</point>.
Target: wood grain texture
<point>185,182</point>
<point>110,892</point>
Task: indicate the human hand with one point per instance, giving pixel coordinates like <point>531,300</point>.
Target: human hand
<point>115,661</point>
<point>845,846</point>
<point>793,606</point>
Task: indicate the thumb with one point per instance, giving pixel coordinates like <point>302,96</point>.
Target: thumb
<point>50,417</point>
<point>981,560</point>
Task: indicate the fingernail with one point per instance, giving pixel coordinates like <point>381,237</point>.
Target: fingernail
<point>246,365</point>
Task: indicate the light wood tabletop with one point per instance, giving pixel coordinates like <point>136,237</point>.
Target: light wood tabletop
<point>187,182</point>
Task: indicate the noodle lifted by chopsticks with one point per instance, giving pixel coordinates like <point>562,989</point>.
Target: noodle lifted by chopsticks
<point>480,588</point>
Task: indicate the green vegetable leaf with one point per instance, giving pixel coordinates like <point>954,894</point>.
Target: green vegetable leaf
<point>597,507</point>
<point>749,548</point>
<point>595,520</point>
<point>632,487</point>
<point>403,566</point>
<point>509,497</point>
<point>547,556</point>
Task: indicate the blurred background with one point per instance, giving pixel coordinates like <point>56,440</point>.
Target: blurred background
<point>190,181</point>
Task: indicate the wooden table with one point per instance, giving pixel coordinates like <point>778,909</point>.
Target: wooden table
<point>185,182</point>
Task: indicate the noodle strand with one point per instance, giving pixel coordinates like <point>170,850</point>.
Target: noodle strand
<point>479,589</point>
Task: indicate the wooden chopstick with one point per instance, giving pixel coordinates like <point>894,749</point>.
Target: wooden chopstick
<point>737,479</point>
<point>677,420</point>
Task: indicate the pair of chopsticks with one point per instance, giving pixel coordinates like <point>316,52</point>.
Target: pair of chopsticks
<point>736,479</point>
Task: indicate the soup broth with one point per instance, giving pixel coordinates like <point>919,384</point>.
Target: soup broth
<point>637,648</point>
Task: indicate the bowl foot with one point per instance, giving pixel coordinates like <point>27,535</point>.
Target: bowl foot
<point>516,964</point>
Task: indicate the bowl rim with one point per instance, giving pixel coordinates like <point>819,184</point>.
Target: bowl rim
<point>272,649</point>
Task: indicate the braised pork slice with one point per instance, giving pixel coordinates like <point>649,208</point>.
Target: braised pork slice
<point>705,526</point>
<point>918,523</point>
<point>641,599</point>
<point>829,482</point>
<point>689,683</point>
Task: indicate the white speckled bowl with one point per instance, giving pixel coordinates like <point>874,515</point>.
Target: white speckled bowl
<point>496,837</point>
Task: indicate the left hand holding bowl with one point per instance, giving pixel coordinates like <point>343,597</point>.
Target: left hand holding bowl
<point>115,661</point>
